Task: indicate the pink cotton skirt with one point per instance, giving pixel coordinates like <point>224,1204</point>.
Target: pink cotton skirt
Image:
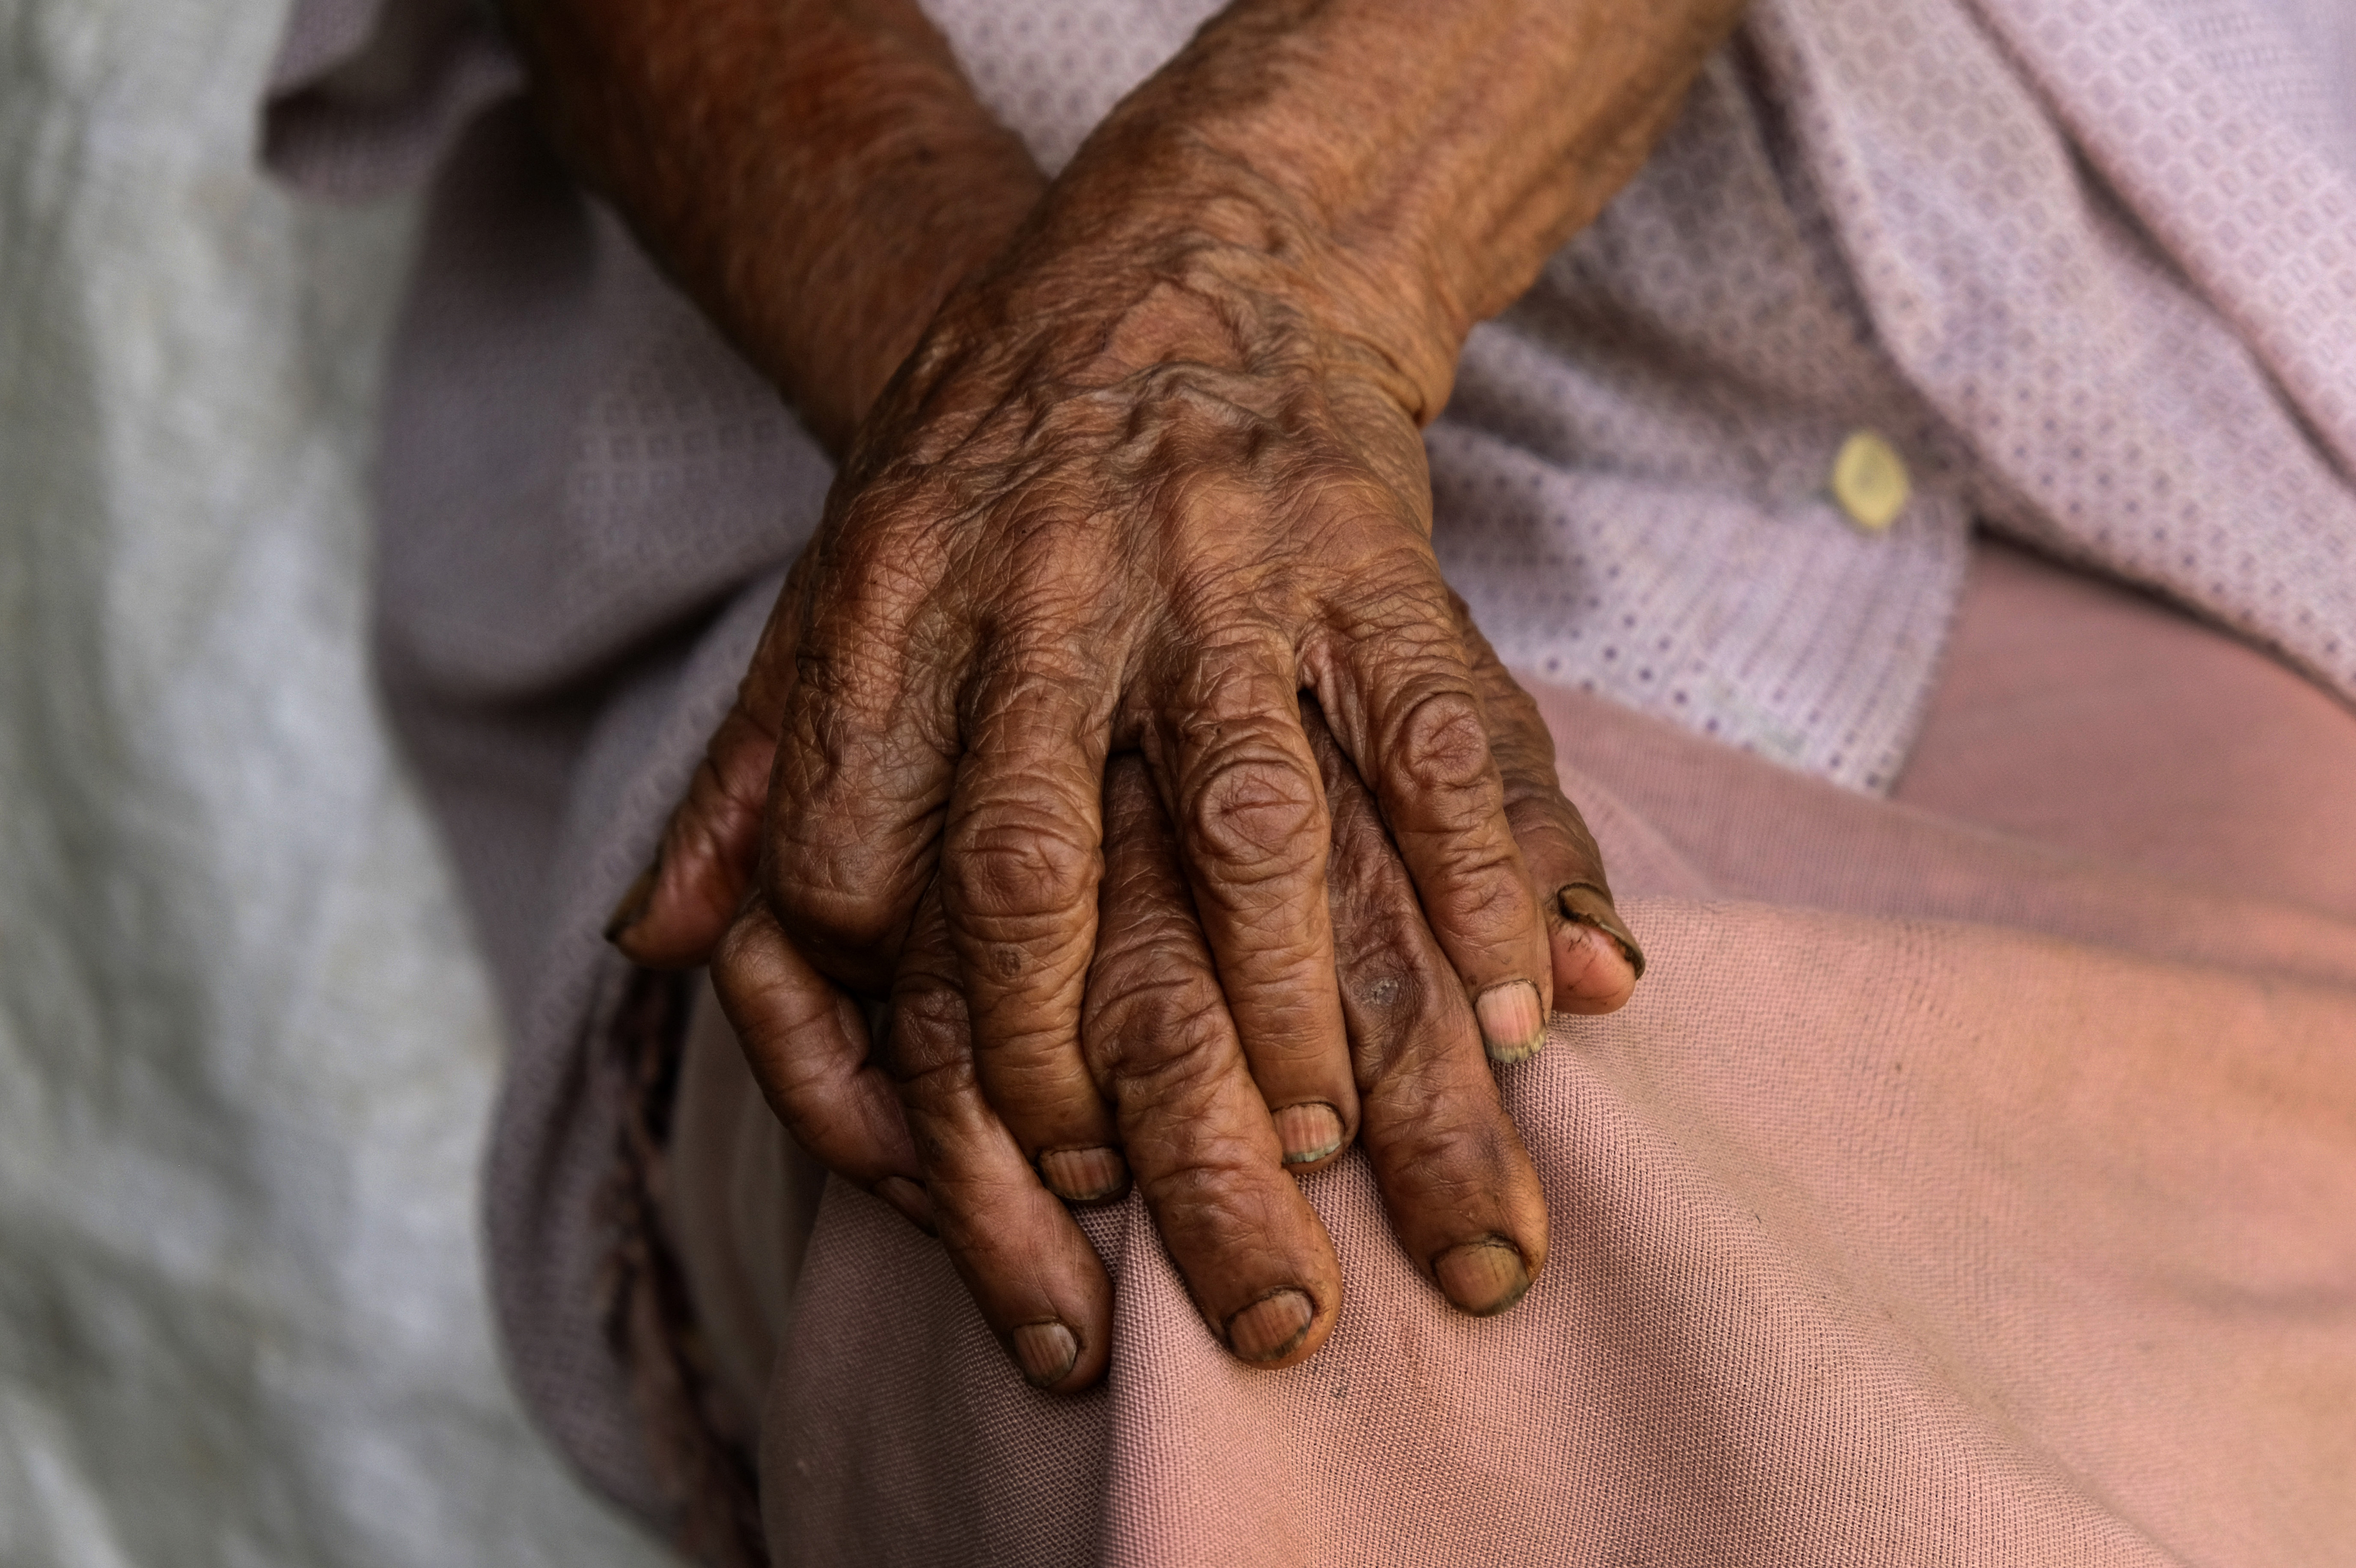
<point>1971,1179</point>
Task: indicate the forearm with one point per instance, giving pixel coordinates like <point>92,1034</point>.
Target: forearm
<point>815,173</point>
<point>1418,162</point>
<point>1150,476</point>
<point>818,175</point>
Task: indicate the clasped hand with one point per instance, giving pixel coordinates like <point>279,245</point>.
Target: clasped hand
<point>1117,726</point>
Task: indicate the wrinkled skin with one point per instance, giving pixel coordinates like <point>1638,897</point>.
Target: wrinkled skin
<point>1032,568</point>
<point>1117,723</point>
<point>913,1121</point>
<point>1031,572</point>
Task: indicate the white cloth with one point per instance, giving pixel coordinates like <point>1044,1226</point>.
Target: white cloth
<point>247,1049</point>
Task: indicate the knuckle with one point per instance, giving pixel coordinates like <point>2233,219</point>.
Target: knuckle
<point>834,669</point>
<point>1379,963</point>
<point>1018,864</point>
<point>1456,1143</point>
<point>1487,896</point>
<point>1397,602</point>
<point>883,556</point>
<point>735,772</point>
<point>1555,845</point>
<point>1393,995</point>
<point>737,968</point>
<point>1518,729</point>
<point>1258,816</point>
<point>936,1089</point>
<point>1220,1181</point>
<point>1038,658</point>
<point>849,935</point>
<point>1163,1029</point>
<point>844,885</point>
<point>931,1038</point>
<point>801,1084</point>
<point>831,919</point>
<point>756,982</point>
<point>814,1097</point>
<point>1443,750</point>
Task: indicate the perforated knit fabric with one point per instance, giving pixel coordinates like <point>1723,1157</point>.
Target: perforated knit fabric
<point>2088,268</point>
<point>2086,264</point>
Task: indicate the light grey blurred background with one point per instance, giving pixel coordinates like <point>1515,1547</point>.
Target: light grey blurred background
<point>246,1052</point>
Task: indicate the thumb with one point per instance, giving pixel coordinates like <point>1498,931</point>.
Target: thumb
<point>675,913</point>
<point>1597,961</point>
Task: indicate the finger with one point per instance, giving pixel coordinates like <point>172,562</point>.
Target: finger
<point>1039,1284</point>
<point>675,913</point>
<point>866,739</point>
<point>1237,774</point>
<point>1019,872</point>
<point>1252,1251</point>
<point>1463,1196</point>
<point>1406,709</point>
<point>1596,959</point>
<point>808,1050</point>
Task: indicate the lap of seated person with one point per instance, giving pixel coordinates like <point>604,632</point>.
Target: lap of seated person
<point>1962,1152</point>
<point>1988,1343</point>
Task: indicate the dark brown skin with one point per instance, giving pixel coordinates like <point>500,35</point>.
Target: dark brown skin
<point>815,172</point>
<point>914,1123</point>
<point>1059,729</point>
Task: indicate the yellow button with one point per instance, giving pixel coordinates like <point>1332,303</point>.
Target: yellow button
<point>1869,481</point>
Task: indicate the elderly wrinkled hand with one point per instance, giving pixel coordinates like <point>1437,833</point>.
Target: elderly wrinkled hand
<point>1132,497</point>
<point>1150,485</point>
<point>1040,566</point>
<point>911,1118</point>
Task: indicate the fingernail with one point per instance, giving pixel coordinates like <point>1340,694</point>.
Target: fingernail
<point>913,1202</point>
<point>1513,1025</point>
<point>1084,1174</point>
<point>1047,1352</point>
<point>1590,905</point>
<point>1269,1329</point>
<point>1481,1277</point>
<point>1308,1132</point>
<point>633,905</point>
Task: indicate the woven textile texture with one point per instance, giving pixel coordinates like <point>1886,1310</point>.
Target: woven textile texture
<point>1962,1187</point>
<point>2084,265</point>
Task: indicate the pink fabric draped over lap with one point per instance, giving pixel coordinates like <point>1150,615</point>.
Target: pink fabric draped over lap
<point>2084,264</point>
<point>1971,1179</point>
<point>1942,1197</point>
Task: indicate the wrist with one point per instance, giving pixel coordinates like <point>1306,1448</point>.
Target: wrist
<point>1153,249</point>
<point>1415,164</point>
<point>834,318</point>
<point>815,173</point>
